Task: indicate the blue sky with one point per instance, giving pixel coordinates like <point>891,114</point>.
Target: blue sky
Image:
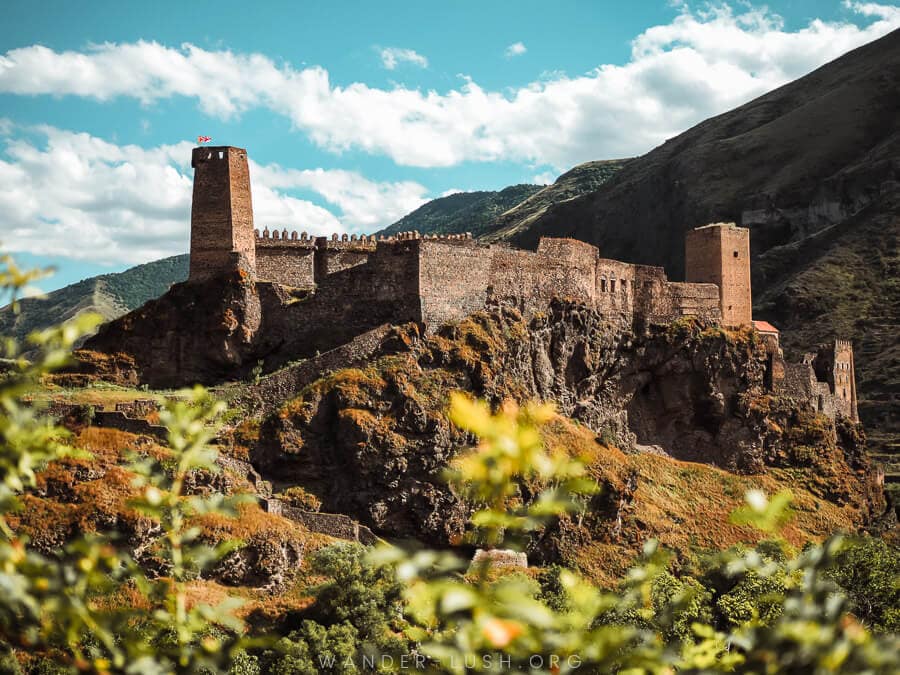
<point>354,113</point>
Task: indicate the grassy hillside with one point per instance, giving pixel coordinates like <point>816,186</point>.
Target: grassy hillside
<point>110,295</point>
<point>509,210</point>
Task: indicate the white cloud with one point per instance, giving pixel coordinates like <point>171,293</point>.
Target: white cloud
<point>75,195</point>
<point>700,64</point>
<point>391,57</point>
<point>545,178</point>
<point>451,191</point>
<point>516,49</point>
<point>363,203</point>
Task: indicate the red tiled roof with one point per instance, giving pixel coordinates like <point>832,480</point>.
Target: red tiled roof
<point>764,327</point>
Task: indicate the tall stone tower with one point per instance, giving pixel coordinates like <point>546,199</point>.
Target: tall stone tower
<point>222,236</point>
<point>720,254</point>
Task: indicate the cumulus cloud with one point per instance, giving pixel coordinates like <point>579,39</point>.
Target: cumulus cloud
<point>700,64</point>
<point>515,49</point>
<point>75,195</point>
<point>391,57</point>
<point>363,204</point>
<point>545,178</point>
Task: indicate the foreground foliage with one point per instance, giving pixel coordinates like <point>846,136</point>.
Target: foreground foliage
<point>828,609</point>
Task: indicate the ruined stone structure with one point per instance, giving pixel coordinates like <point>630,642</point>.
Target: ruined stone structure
<point>825,378</point>
<point>352,284</point>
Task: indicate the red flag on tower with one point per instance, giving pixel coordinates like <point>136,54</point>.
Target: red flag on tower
<point>203,139</point>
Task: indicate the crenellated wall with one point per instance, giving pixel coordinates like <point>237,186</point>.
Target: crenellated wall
<point>361,282</point>
<point>287,259</point>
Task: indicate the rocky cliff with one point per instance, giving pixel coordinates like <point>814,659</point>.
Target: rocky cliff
<point>684,400</point>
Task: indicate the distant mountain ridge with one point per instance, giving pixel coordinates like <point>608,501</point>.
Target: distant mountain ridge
<point>582,179</point>
<point>110,295</point>
<point>474,212</point>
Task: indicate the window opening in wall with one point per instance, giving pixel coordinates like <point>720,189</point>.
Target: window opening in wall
<point>624,285</point>
<point>845,393</point>
<point>612,285</point>
<point>735,254</point>
<point>821,403</point>
<point>603,285</point>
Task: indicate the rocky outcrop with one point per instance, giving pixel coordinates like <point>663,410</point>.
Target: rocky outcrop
<point>373,441</point>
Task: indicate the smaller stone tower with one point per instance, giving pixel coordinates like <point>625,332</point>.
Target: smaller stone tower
<point>834,364</point>
<point>720,254</point>
<point>222,237</point>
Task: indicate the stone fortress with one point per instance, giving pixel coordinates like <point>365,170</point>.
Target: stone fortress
<point>351,284</point>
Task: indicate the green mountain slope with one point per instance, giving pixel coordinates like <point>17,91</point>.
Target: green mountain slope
<point>813,168</point>
<point>110,295</point>
<point>509,210</point>
<point>473,212</point>
<point>580,180</point>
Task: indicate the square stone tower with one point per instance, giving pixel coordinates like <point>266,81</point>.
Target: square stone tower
<point>720,254</point>
<point>222,236</point>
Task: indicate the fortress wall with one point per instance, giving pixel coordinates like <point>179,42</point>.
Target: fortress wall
<point>288,265</point>
<point>336,255</point>
<point>562,268</point>
<point>352,301</point>
<point>684,299</point>
<point>659,300</point>
<point>453,279</point>
<point>649,290</point>
<point>266,395</point>
<point>615,288</point>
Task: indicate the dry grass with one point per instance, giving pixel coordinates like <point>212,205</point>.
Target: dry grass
<point>251,521</point>
<point>100,397</point>
<point>684,505</point>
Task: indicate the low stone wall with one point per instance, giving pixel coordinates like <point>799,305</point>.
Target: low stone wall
<point>138,408</point>
<point>500,557</point>
<point>81,413</point>
<point>64,412</point>
<point>273,389</point>
<point>334,525</point>
<point>119,420</point>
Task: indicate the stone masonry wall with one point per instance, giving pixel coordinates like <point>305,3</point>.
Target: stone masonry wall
<point>352,301</point>
<point>334,255</point>
<point>453,279</point>
<point>824,381</point>
<point>262,397</point>
<point>284,258</point>
<point>563,268</point>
